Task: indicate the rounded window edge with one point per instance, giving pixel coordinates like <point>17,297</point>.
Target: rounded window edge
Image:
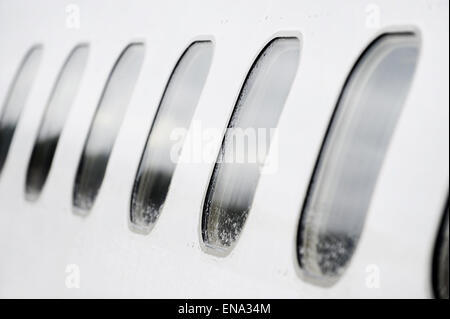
<point>318,279</point>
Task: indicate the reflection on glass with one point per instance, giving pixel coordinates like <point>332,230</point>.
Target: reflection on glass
<point>352,154</point>
<point>59,104</point>
<point>237,170</point>
<point>105,126</point>
<point>16,99</point>
<point>175,111</point>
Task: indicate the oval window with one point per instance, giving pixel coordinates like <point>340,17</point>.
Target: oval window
<point>242,156</point>
<point>352,154</point>
<point>61,99</point>
<point>105,127</point>
<point>175,112</point>
<point>441,261</point>
<point>16,99</point>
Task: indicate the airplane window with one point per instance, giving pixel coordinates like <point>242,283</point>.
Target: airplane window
<point>352,154</point>
<point>242,155</point>
<point>55,115</point>
<point>175,111</point>
<point>441,261</point>
<point>16,99</point>
<point>105,127</point>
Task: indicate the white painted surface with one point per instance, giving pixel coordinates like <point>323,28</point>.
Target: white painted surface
<point>38,240</point>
